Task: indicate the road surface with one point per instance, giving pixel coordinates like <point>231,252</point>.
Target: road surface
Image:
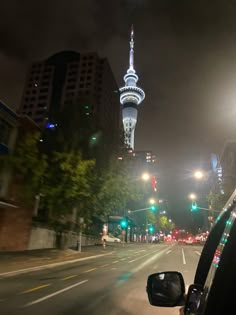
<point>107,285</point>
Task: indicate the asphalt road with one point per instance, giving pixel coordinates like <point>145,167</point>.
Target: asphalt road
<point>113,284</point>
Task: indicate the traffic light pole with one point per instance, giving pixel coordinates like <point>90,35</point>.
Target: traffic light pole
<point>138,210</point>
<point>209,209</point>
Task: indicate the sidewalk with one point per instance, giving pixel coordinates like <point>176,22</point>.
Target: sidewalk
<point>14,261</point>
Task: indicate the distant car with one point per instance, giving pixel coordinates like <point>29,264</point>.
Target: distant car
<point>189,241</point>
<point>110,238</point>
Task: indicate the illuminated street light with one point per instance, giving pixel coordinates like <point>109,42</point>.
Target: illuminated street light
<point>145,176</point>
<point>152,201</point>
<point>192,196</point>
<point>198,174</point>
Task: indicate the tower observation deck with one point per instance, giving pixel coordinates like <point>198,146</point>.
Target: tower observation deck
<point>130,97</point>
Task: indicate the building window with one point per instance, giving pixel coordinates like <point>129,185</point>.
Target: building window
<point>71,87</point>
<point>43,97</point>
<point>5,130</point>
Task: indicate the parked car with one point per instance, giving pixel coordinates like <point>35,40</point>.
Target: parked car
<point>213,290</point>
<point>109,238</point>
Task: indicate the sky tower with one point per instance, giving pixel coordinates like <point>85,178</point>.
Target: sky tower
<point>130,97</point>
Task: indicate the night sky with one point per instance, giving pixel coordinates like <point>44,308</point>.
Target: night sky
<point>185,56</point>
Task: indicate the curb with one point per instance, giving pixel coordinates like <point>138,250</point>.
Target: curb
<point>52,265</point>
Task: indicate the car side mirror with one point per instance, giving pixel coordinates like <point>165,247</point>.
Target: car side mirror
<point>166,289</point>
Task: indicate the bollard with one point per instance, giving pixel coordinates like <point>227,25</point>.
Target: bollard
<point>104,244</point>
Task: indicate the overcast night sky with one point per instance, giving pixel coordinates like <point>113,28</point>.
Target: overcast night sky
<point>185,56</point>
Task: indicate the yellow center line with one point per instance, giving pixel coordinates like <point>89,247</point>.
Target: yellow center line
<point>89,270</point>
<point>69,277</point>
<point>36,288</point>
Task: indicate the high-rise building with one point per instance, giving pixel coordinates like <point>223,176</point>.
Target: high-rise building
<point>228,163</point>
<point>73,80</point>
<point>130,97</point>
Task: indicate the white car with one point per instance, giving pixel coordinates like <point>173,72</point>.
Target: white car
<point>189,241</point>
<point>110,238</point>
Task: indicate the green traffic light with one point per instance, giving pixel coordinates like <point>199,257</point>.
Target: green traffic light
<point>151,229</point>
<point>123,224</point>
<point>153,208</point>
<point>194,206</point>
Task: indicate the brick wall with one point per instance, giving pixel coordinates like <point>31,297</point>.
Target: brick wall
<point>15,228</point>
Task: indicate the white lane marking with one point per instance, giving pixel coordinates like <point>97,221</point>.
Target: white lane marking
<point>140,251</point>
<point>197,253</point>
<point>137,258</point>
<point>55,293</point>
<point>123,258</point>
<point>115,262</point>
<point>169,251</point>
<point>104,265</point>
<point>184,261</point>
<point>151,259</point>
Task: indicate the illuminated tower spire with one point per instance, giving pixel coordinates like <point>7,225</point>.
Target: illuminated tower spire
<point>130,97</point>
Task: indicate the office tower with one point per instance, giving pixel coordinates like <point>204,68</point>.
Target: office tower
<point>71,80</point>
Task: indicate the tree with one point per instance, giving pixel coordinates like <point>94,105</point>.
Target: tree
<point>165,224</point>
<point>117,190</point>
<point>28,166</point>
<point>68,185</point>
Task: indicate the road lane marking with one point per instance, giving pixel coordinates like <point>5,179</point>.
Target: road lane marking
<point>89,270</point>
<point>115,262</point>
<point>184,261</point>
<point>36,288</point>
<point>54,294</point>
<point>197,253</point>
<point>104,265</point>
<point>158,255</point>
<point>169,251</point>
<point>52,265</point>
<point>142,250</point>
<point>69,277</point>
<point>137,258</point>
<point>123,258</point>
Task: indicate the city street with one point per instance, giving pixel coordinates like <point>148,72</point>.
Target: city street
<point>111,284</point>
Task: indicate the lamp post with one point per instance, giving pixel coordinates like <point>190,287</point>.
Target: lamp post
<point>199,174</point>
<point>145,176</point>
<point>192,196</point>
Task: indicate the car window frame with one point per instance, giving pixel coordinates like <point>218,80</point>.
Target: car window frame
<point>216,268</point>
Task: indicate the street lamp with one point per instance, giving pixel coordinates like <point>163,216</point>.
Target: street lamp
<point>145,176</point>
<point>198,174</point>
<point>192,196</point>
<point>152,201</point>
